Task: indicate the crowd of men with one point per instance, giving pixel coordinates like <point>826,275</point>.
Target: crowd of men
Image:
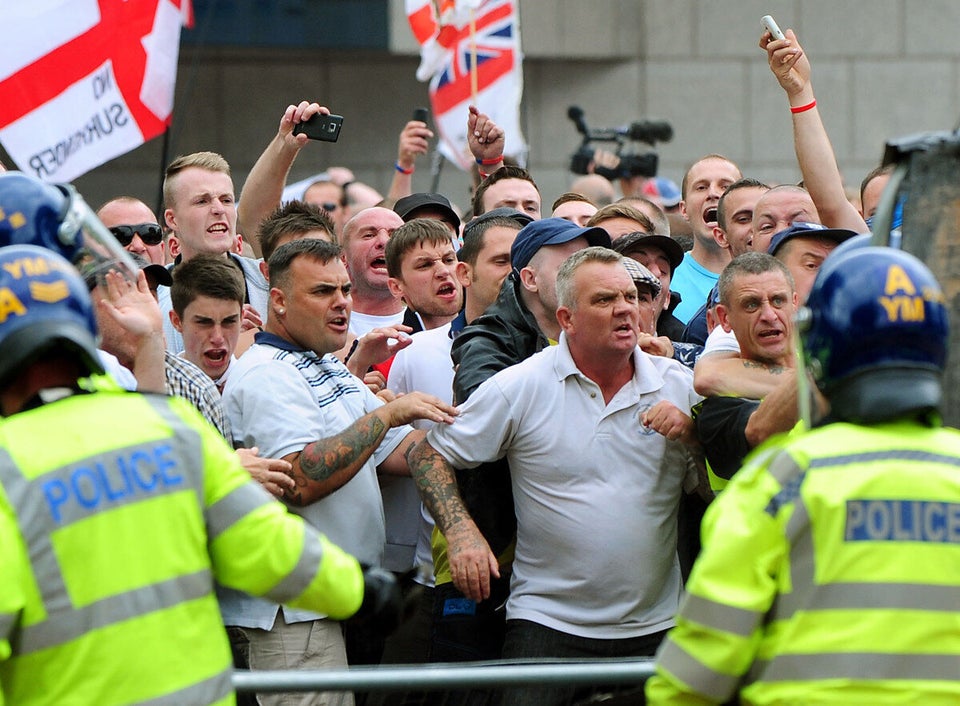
<point>521,414</point>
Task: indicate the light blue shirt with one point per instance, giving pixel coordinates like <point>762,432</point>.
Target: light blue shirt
<point>693,282</point>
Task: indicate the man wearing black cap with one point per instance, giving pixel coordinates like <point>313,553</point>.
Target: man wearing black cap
<point>434,206</point>
<point>661,255</point>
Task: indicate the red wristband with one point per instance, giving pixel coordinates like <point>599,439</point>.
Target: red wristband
<point>402,170</point>
<point>803,108</point>
<point>488,162</point>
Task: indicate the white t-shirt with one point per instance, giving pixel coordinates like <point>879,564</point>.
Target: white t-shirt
<point>423,366</point>
<point>362,324</point>
<point>720,341</point>
<point>596,493</point>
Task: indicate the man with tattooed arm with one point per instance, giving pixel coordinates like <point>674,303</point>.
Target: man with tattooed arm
<point>293,399</point>
<point>597,434</point>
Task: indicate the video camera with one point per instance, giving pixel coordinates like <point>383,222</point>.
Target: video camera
<point>631,164</point>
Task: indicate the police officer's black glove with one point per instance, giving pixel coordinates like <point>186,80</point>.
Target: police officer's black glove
<point>382,605</point>
<point>389,600</point>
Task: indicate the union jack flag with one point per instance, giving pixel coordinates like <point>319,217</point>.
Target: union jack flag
<point>447,50</point>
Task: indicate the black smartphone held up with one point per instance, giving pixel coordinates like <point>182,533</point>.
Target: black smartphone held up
<point>421,114</point>
<point>321,127</point>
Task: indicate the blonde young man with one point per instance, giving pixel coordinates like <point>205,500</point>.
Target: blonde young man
<point>201,213</point>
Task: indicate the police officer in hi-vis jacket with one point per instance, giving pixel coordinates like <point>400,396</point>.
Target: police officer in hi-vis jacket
<point>830,570</point>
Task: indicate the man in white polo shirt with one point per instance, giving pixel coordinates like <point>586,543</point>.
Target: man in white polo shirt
<point>595,434</point>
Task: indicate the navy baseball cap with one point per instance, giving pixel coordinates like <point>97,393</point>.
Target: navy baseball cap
<point>799,229</point>
<point>551,231</point>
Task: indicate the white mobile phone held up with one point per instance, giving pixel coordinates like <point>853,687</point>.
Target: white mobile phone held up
<point>771,26</point>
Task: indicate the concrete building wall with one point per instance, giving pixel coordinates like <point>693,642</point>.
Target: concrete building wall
<point>881,69</point>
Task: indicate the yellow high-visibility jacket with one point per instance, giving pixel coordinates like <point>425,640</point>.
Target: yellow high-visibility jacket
<point>117,512</point>
<point>830,574</point>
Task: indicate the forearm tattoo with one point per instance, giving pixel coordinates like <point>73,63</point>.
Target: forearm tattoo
<point>319,460</point>
<point>438,486</point>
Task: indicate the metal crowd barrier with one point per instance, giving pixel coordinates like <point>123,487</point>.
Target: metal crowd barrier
<point>442,677</point>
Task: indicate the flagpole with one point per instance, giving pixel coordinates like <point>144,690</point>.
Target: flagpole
<point>169,136</point>
<point>164,161</point>
<point>474,89</point>
<point>436,166</point>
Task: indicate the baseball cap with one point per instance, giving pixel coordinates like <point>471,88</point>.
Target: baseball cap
<point>799,229</point>
<point>631,242</point>
<point>407,207</point>
<point>641,275</point>
<point>551,231</point>
<point>665,189</point>
<point>714,298</point>
<point>520,217</point>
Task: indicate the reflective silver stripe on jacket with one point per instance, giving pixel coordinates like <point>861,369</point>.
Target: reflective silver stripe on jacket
<point>866,595</point>
<point>35,525</point>
<point>100,483</point>
<point>790,477</point>
<point>694,673</point>
<point>874,596</point>
<point>208,691</point>
<point>233,506</point>
<point>296,582</point>
<point>737,621</point>
<point>857,665</point>
<point>7,621</point>
<point>887,455</point>
<point>71,623</point>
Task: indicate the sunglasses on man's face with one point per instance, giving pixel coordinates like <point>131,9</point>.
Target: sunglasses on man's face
<point>150,234</point>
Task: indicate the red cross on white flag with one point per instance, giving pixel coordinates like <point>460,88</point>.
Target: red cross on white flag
<point>84,81</point>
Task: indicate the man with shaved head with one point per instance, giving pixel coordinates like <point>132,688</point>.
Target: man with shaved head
<point>701,188</point>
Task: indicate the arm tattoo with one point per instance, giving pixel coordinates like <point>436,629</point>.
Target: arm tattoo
<point>772,369</point>
<point>321,459</point>
<point>437,485</point>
